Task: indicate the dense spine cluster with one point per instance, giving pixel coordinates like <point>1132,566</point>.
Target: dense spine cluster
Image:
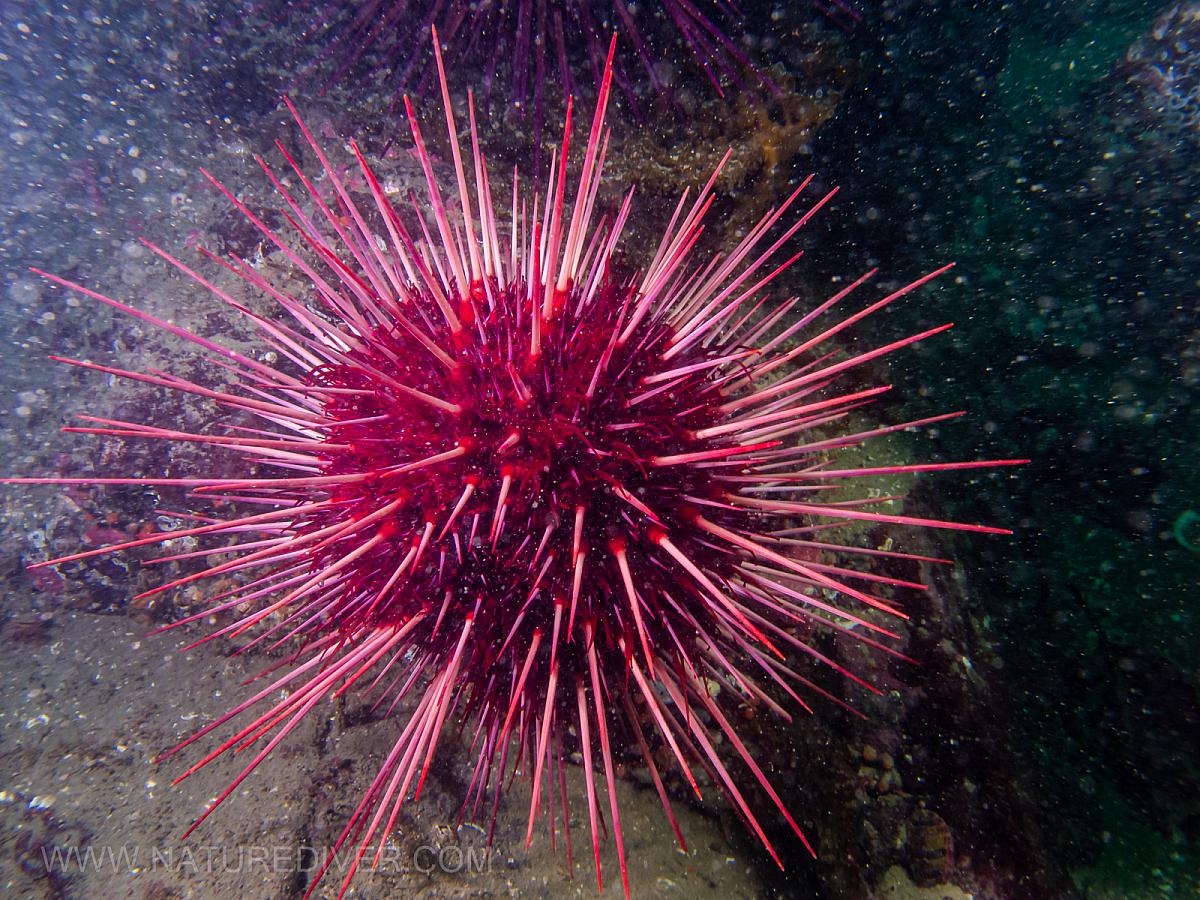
<point>492,476</point>
<point>536,41</point>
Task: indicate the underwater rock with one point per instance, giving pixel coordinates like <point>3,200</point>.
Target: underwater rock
<point>1164,68</point>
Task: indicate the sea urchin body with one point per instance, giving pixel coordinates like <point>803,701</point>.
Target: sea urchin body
<point>493,476</point>
<point>533,38</point>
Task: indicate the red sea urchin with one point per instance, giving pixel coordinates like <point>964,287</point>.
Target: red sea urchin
<point>523,34</point>
<point>532,494</point>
